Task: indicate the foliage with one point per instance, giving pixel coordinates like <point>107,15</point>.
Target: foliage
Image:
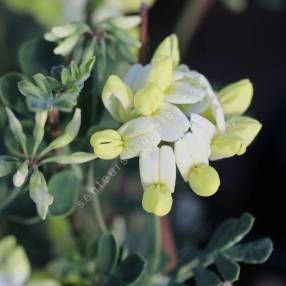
<point>53,106</point>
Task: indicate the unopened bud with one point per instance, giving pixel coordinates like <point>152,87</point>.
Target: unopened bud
<point>235,98</point>
<point>161,72</point>
<point>107,144</point>
<point>226,146</point>
<point>244,127</point>
<point>169,47</point>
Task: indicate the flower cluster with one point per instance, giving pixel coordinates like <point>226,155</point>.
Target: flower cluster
<point>171,116</point>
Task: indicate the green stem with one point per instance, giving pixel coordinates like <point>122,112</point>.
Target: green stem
<point>186,272</point>
<point>96,202</point>
<point>11,197</point>
<point>99,215</point>
<point>157,244</point>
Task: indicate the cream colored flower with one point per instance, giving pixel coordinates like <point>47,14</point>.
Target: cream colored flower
<point>158,177</point>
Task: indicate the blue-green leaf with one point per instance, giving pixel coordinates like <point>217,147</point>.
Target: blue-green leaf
<point>206,277</point>
<point>228,269</point>
<point>255,252</point>
<point>107,254</point>
<point>64,187</point>
<point>230,232</point>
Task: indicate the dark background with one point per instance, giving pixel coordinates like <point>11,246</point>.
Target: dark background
<point>225,47</point>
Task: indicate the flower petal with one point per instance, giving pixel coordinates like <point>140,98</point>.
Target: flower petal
<point>183,160</point>
<point>183,93</point>
<point>148,99</point>
<point>117,97</point>
<point>137,135</point>
<point>170,122</point>
<point>202,126</point>
<point>169,47</point>
<point>195,149</point>
<point>189,152</point>
<point>204,130</point>
<point>158,166</point>
<point>204,180</point>
<point>161,72</point>
<point>149,166</point>
<point>167,167</point>
<point>157,200</point>
<point>136,76</point>
<point>217,110</point>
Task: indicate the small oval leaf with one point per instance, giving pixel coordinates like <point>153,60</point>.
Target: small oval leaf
<point>107,254</point>
<point>64,187</point>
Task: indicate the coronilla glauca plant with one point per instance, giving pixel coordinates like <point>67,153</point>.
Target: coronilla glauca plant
<point>83,98</point>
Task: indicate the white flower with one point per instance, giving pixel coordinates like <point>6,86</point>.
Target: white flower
<point>178,106</point>
<point>209,98</point>
<point>128,141</point>
<point>158,177</point>
<point>149,92</point>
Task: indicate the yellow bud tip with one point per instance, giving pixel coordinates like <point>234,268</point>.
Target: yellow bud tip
<point>107,144</point>
<point>226,146</point>
<point>148,99</point>
<point>245,127</point>
<point>168,47</point>
<point>242,150</point>
<point>161,72</point>
<point>204,180</point>
<point>235,98</point>
<point>157,200</point>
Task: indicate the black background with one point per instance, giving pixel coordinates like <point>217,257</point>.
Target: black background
<point>227,47</point>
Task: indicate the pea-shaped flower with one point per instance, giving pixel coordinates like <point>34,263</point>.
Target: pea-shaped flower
<point>127,142</point>
<point>147,91</point>
<point>158,177</point>
<point>192,157</point>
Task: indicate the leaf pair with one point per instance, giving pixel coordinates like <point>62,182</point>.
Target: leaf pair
<point>224,252</point>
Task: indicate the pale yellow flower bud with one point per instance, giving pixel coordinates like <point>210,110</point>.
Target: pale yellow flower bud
<point>204,180</point>
<point>161,72</point>
<point>244,127</point>
<point>148,99</point>
<point>235,98</point>
<point>225,146</point>
<point>169,47</point>
<point>107,144</point>
<point>157,200</point>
